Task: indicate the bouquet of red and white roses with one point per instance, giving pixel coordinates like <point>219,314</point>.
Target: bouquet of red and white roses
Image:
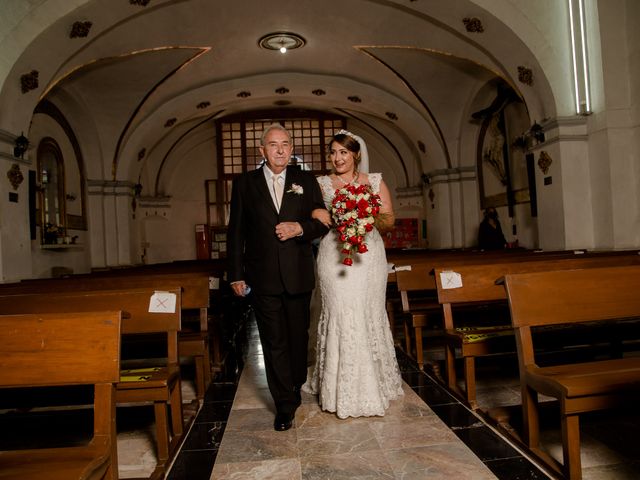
<point>354,209</point>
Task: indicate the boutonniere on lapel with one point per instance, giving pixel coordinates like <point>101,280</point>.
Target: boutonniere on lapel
<point>295,188</point>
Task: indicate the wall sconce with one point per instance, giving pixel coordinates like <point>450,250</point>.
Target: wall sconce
<point>21,145</point>
<point>537,132</point>
<point>525,141</point>
<point>137,190</point>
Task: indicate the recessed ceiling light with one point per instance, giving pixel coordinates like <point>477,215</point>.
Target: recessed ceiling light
<point>282,41</point>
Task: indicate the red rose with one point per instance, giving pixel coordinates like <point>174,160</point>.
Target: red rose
<point>368,227</point>
<point>362,248</point>
<point>348,262</point>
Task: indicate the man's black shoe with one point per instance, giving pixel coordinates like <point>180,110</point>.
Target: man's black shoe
<point>283,422</point>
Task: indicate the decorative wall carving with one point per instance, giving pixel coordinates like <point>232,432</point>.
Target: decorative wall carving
<point>525,75</point>
<point>473,25</point>
<point>203,105</point>
<point>244,94</point>
<point>354,99</point>
<point>15,176</point>
<point>319,92</point>
<point>141,3</point>
<point>391,115</point>
<point>29,81</point>
<point>282,90</point>
<point>421,146</point>
<point>80,29</point>
<point>170,122</point>
<point>142,153</point>
<point>544,162</point>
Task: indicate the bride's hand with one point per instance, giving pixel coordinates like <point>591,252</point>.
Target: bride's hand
<point>322,215</point>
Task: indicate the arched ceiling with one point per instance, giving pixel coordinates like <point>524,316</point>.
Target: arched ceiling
<point>148,70</point>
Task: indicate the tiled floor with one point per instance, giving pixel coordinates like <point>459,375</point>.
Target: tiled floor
<point>608,445</point>
<point>407,443</point>
<point>426,434</point>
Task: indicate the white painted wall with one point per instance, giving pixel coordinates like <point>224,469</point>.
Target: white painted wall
<point>170,233</point>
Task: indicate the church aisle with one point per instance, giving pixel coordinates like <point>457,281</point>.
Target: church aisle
<point>426,434</point>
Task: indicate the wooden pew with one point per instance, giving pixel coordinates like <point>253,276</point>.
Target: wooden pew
<point>419,306</point>
<point>63,350</point>
<point>415,279</point>
<point>211,333</point>
<point>426,256</point>
<point>158,382</point>
<point>480,306</point>
<point>194,340</point>
<point>572,297</point>
<point>418,297</point>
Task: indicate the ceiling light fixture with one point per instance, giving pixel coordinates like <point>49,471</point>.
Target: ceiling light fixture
<point>282,41</point>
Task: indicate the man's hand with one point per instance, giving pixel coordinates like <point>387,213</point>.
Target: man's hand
<point>322,215</point>
<point>239,288</point>
<point>287,230</point>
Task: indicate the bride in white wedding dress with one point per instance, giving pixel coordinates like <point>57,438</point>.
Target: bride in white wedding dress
<point>356,372</point>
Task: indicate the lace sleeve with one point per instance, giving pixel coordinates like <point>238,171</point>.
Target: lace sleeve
<point>327,189</point>
<point>374,180</point>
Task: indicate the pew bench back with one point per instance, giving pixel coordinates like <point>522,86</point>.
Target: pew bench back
<point>570,297</point>
<point>476,319</point>
<point>38,350</point>
<point>134,302</point>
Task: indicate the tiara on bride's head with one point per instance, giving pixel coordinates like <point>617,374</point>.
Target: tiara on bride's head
<point>349,134</point>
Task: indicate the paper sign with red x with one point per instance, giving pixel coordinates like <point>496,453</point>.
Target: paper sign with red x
<point>162,302</point>
<point>450,280</point>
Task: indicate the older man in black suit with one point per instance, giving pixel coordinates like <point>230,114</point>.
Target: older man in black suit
<point>269,250</point>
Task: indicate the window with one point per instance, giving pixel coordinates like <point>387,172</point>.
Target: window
<point>52,194</point>
<point>240,138</point>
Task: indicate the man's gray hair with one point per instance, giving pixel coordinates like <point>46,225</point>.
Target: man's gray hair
<point>274,126</point>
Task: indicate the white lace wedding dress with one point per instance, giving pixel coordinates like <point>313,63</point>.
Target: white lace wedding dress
<point>356,372</point>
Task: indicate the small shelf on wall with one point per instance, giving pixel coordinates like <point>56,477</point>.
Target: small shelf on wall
<point>61,246</point>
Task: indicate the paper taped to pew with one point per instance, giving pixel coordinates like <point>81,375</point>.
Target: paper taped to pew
<point>402,268</point>
<point>138,374</point>
<point>162,302</point>
<point>450,280</point>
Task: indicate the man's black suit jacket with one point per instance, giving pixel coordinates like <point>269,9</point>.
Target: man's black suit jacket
<point>254,253</point>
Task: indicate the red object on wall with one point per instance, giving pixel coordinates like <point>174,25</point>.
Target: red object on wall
<point>403,235</point>
<point>202,242</point>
